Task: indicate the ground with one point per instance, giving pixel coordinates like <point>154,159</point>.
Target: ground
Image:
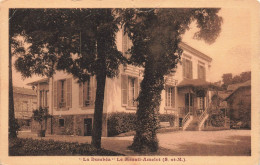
<point>182,143</point>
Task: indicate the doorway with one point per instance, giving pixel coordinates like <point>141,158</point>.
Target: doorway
<point>87,126</point>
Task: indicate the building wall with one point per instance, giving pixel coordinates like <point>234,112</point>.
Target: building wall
<point>24,105</point>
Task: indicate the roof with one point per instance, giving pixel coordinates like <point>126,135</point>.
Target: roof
<point>44,80</point>
<point>24,91</point>
<point>194,51</point>
<point>239,86</point>
<point>233,87</point>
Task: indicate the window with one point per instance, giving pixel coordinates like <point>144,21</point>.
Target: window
<point>130,90</point>
<point>87,93</point>
<point>201,72</point>
<point>44,95</point>
<point>62,94</point>
<point>61,122</point>
<point>201,102</point>
<point>187,101</point>
<point>170,97</point>
<point>126,45</point>
<point>187,68</point>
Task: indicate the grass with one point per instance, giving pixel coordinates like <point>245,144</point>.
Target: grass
<point>32,147</point>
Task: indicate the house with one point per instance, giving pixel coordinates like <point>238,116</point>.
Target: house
<point>25,101</point>
<point>239,103</point>
<point>186,95</point>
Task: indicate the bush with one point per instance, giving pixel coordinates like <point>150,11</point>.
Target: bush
<point>121,122</point>
<point>217,120</point>
<point>30,147</point>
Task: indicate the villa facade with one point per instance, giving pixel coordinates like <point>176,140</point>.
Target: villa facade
<point>186,94</point>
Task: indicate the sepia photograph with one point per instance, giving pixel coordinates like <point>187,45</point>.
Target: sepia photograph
<point>130,85</point>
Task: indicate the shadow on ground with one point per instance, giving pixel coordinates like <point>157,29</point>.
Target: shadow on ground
<point>232,146</point>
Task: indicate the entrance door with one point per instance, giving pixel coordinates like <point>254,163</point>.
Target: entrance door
<point>180,122</point>
<point>87,126</point>
<point>189,103</point>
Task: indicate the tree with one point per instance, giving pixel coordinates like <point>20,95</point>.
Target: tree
<point>41,115</point>
<point>227,79</point>
<point>156,34</point>
<point>78,41</point>
<point>14,48</point>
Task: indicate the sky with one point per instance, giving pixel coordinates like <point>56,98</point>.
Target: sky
<point>230,52</point>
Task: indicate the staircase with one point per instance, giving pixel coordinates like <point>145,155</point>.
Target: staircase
<point>196,123</point>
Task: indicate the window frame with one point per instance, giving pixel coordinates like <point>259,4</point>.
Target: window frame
<point>170,99</point>
<point>187,67</point>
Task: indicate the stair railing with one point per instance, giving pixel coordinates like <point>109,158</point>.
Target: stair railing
<point>202,117</point>
<point>185,119</point>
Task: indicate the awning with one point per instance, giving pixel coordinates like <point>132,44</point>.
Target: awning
<point>197,83</point>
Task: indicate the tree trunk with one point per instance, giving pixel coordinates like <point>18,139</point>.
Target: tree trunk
<point>147,123</point>
<point>99,102</point>
<point>12,122</point>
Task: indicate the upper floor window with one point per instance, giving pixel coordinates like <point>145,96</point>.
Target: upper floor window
<point>201,71</point>
<point>187,68</point>
<point>170,97</point>
<point>126,45</point>
<point>130,90</point>
<point>44,96</point>
<point>62,93</point>
<point>87,93</point>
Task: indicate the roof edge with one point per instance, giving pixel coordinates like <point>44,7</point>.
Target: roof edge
<point>194,51</point>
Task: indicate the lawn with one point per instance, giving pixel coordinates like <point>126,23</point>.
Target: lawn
<point>32,147</point>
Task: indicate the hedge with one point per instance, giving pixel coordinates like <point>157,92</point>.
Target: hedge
<point>121,122</point>
<point>31,147</point>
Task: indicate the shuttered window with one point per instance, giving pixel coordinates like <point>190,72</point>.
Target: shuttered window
<point>201,72</point>
<point>130,90</point>
<point>87,93</point>
<point>187,68</point>
<point>62,96</point>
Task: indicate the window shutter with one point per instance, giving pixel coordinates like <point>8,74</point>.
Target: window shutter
<point>69,92</point>
<point>191,74</point>
<point>92,91</point>
<point>124,43</point>
<point>124,93</point>
<point>80,94</point>
<point>204,73</point>
<point>183,67</point>
<point>136,90</point>
<point>198,71</point>
<point>173,97</point>
<point>55,98</point>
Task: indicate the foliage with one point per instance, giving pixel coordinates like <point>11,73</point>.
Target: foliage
<point>30,147</point>
<point>156,34</point>
<point>41,115</point>
<point>121,122</point>
<point>118,123</point>
<point>78,41</point>
<point>217,119</point>
<point>228,79</point>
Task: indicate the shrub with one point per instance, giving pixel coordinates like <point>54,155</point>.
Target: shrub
<point>121,122</point>
<point>218,119</point>
<point>30,147</point>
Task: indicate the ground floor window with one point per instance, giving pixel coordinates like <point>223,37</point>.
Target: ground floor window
<point>130,90</point>
<point>170,97</point>
<point>201,102</point>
